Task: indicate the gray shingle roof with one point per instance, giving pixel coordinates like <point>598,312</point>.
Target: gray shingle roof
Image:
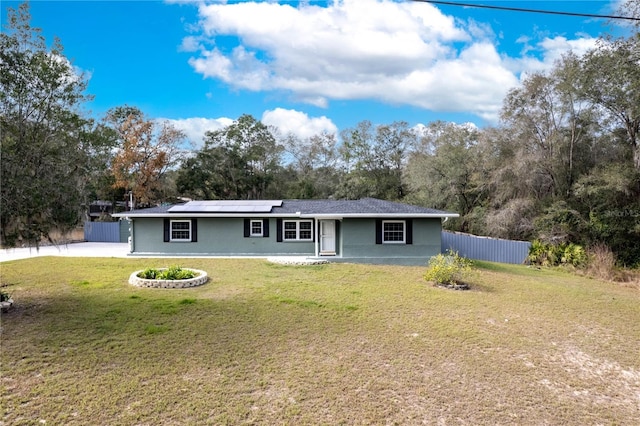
<point>365,207</point>
<point>362,206</point>
<point>151,210</point>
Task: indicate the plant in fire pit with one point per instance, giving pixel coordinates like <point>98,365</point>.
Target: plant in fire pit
<point>171,273</point>
<point>5,301</point>
<point>4,296</point>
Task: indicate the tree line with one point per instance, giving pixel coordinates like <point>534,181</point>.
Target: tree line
<point>562,165</point>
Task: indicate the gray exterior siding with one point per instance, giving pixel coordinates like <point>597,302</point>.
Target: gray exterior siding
<point>358,236</point>
<point>359,243</point>
<point>216,237</point>
<point>355,241</point>
<point>123,227</point>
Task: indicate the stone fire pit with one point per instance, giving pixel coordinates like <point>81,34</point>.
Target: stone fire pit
<point>200,278</point>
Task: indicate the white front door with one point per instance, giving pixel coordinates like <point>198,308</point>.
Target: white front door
<point>327,237</point>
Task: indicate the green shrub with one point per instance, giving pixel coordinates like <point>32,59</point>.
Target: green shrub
<point>547,254</point>
<point>574,255</point>
<point>448,269</point>
<point>539,254</point>
<point>176,273</point>
<point>4,296</point>
<point>149,274</point>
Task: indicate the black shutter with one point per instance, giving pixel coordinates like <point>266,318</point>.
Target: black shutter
<point>409,230</point>
<point>194,230</point>
<point>313,230</point>
<point>167,230</point>
<point>247,228</point>
<point>265,228</point>
<point>378,231</point>
<point>279,230</point>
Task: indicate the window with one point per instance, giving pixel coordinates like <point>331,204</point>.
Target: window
<point>297,230</point>
<point>256,228</point>
<point>393,231</point>
<point>180,230</point>
<point>305,230</point>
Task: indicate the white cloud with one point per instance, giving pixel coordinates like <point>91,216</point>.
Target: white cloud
<point>404,53</point>
<point>196,127</point>
<point>554,48</point>
<point>287,121</point>
<point>190,44</point>
<point>475,81</point>
<point>72,74</point>
<point>422,130</point>
<point>542,56</point>
<point>298,123</point>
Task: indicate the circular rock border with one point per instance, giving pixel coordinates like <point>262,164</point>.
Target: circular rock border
<point>5,305</point>
<point>459,286</point>
<point>202,278</point>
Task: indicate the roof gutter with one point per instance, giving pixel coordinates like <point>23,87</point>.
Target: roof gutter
<point>297,214</point>
<point>185,214</point>
<point>381,215</point>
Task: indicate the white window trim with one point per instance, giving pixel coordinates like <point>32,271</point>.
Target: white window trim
<point>256,234</point>
<point>297,222</point>
<point>179,240</point>
<point>404,232</point>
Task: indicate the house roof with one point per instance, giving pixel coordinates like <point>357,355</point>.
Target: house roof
<point>366,207</point>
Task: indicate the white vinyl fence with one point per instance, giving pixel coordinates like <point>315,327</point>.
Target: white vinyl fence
<point>485,248</point>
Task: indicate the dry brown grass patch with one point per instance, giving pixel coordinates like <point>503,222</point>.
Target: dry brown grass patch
<point>602,265</point>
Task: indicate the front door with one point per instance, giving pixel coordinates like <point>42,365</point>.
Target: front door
<point>327,237</point>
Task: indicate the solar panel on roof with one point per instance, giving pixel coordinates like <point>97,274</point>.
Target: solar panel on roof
<point>227,206</point>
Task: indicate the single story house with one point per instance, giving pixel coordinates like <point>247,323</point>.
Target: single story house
<point>368,230</point>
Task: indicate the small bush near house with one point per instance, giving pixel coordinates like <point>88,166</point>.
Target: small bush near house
<point>171,273</point>
<point>449,269</point>
<point>546,254</point>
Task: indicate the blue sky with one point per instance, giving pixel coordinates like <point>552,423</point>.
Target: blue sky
<point>308,67</point>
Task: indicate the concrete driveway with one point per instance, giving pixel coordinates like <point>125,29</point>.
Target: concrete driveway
<point>122,250</point>
<point>70,250</point>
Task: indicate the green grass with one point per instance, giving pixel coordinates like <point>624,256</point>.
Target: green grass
<point>262,343</point>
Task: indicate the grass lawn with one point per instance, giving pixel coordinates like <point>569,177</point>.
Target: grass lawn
<point>328,344</point>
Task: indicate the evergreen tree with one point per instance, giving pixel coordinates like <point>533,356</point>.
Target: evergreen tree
<point>43,135</point>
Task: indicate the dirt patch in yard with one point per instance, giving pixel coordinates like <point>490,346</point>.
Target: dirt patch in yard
<point>595,381</point>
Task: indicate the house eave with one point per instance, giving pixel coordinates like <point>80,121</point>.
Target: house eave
<point>379,215</point>
<point>220,215</point>
<point>337,216</point>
